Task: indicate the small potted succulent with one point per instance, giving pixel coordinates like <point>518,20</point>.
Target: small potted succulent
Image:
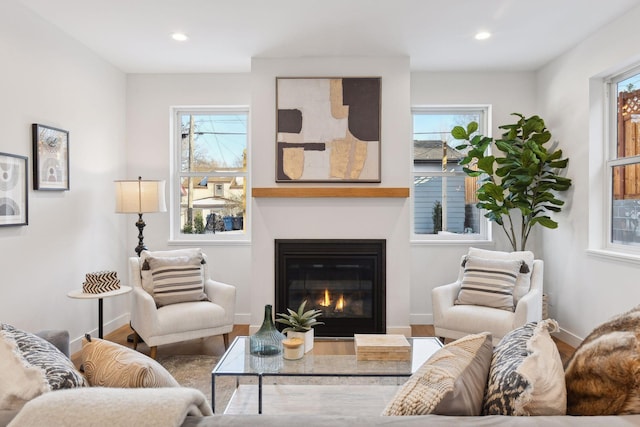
<point>300,324</point>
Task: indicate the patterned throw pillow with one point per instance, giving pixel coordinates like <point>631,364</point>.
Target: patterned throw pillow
<point>489,282</point>
<point>32,366</point>
<point>451,382</point>
<point>176,279</point>
<point>523,283</point>
<point>526,375</point>
<point>107,364</point>
<point>602,374</point>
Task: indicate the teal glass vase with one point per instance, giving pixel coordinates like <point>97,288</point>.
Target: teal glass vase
<point>268,340</point>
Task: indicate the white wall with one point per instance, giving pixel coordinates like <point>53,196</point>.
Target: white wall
<point>48,78</point>
<point>585,289</point>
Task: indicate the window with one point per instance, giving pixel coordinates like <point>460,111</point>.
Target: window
<point>623,162</point>
<point>209,186</point>
<point>444,197</point>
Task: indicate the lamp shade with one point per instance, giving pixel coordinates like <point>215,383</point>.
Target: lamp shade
<point>140,196</point>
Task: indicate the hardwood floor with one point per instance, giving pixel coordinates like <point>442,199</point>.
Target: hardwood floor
<point>215,346</point>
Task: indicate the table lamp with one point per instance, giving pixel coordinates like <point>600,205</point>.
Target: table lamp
<point>140,196</point>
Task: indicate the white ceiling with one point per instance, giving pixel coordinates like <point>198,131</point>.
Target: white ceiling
<point>134,35</point>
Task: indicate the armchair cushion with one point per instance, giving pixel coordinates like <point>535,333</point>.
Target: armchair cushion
<point>526,375</point>
<point>176,279</point>
<point>523,283</point>
<point>489,282</point>
<point>107,364</point>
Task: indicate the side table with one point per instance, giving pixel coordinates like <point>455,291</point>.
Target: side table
<point>82,295</point>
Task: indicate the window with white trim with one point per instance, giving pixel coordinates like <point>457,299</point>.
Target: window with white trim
<point>443,196</point>
<point>209,185</point>
<point>623,162</point>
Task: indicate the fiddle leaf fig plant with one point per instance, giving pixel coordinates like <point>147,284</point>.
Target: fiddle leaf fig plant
<point>299,321</point>
<point>524,179</point>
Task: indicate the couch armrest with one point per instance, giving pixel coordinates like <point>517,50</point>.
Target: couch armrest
<point>442,298</point>
<point>529,308</point>
<point>224,295</point>
<point>144,314</point>
<point>57,337</point>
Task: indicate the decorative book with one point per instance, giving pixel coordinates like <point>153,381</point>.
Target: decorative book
<point>382,347</point>
<point>100,281</point>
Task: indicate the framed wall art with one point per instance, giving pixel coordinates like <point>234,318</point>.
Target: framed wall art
<point>50,158</point>
<point>328,129</point>
<point>14,204</point>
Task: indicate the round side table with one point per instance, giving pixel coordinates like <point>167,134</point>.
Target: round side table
<point>82,295</point>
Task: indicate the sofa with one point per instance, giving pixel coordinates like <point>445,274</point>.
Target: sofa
<point>165,404</point>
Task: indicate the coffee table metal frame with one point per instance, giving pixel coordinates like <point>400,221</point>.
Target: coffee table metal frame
<point>238,362</point>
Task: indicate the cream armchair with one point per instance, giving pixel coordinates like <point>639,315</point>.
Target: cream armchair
<point>183,321</point>
<point>455,321</point>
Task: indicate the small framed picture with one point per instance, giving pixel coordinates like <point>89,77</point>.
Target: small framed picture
<point>50,158</point>
<point>13,190</point>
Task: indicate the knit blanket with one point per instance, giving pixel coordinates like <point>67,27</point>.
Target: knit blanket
<point>98,406</point>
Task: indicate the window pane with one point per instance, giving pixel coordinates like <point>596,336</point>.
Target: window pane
<point>628,117</point>
<point>213,142</point>
<point>209,205</point>
<point>625,229</point>
<point>455,213</point>
<point>451,210</point>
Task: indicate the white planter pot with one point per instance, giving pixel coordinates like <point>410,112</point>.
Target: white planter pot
<point>307,337</point>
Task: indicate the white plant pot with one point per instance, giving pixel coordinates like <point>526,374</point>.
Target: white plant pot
<point>307,337</point>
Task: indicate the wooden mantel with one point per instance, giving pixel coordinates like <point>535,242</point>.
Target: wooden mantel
<point>396,192</point>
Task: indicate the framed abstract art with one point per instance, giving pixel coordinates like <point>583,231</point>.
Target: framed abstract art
<point>50,158</point>
<point>328,129</point>
<point>13,190</point>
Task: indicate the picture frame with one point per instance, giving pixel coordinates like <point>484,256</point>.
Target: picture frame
<point>14,202</point>
<point>50,158</point>
<point>328,129</point>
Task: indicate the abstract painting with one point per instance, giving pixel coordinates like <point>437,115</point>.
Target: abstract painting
<point>328,129</point>
<point>13,190</point>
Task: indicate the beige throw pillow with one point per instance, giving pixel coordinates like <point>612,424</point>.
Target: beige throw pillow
<point>451,382</point>
<point>523,283</point>
<point>489,282</point>
<point>107,364</point>
<point>176,279</point>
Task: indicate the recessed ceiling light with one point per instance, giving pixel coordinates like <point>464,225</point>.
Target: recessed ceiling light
<point>482,35</point>
<point>179,37</point>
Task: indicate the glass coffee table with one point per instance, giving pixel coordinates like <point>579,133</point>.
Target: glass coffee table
<point>238,362</point>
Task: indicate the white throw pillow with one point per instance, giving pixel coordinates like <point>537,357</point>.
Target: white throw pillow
<point>19,381</point>
<point>488,282</point>
<point>523,284</point>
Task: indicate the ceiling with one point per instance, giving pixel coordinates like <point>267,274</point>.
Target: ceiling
<point>437,35</point>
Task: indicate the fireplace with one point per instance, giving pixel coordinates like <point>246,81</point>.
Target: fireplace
<point>344,278</point>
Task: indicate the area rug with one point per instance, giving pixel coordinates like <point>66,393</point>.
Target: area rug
<point>195,371</point>
<point>346,394</point>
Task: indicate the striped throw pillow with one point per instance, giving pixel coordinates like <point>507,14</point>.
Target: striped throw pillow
<point>176,279</point>
<point>489,282</point>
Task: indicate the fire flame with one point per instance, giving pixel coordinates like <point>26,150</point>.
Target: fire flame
<point>325,301</point>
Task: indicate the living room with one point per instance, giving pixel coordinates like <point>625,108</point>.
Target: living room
<point>119,128</point>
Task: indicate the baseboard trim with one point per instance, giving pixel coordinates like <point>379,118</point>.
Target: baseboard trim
<point>75,344</point>
<point>568,338</point>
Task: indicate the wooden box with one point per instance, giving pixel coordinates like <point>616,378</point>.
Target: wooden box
<point>382,347</point>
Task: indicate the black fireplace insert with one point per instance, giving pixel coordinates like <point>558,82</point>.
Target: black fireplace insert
<point>345,278</point>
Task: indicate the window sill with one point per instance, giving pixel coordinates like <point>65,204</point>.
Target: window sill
<point>614,256</point>
<point>461,242</point>
<point>216,242</point>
